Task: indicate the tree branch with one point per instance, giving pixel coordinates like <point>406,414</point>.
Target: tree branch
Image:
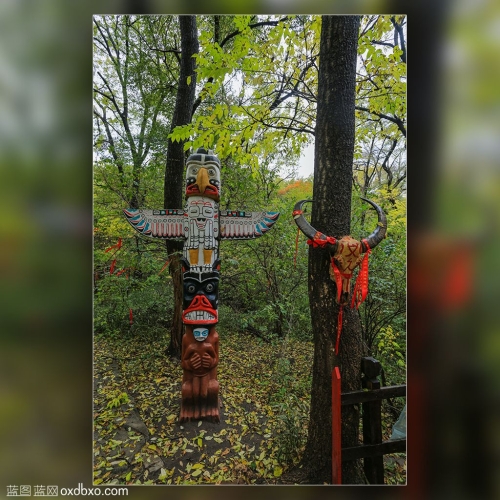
<point>394,119</point>
<point>112,148</point>
<point>385,163</point>
<point>399,30</point>
<point>254,25</point>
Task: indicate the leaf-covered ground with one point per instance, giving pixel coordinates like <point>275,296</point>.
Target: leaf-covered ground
<point>263,389</point>
<point>264,393</point>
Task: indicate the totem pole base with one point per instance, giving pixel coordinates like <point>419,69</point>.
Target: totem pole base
<point>200,387</point>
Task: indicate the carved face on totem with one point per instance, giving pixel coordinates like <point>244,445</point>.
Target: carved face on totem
<point>200,298</point>
<point>201,255</point>
<point>203,175</point>
<point>200,211</point>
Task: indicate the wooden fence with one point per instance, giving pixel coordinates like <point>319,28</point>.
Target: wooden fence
<point>373,448</point>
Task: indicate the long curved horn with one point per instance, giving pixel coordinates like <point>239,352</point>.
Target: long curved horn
<point>379,234</point>
<point>305,227</point>
<point>300,220</point>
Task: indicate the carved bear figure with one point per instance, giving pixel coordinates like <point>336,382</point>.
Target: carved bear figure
<point>200,388</point>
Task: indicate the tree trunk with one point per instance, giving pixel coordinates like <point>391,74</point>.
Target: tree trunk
<point>331,214</point>
<point>174,170</point>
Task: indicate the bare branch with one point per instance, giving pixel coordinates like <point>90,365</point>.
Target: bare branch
<point>394,119</point>
<point>254,25</point>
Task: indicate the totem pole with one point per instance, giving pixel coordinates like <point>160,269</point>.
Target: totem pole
<point>345,256</point>
<point>201,225</point>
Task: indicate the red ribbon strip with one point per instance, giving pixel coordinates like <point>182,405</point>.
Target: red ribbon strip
<point>361,287</point>
<point>130,317</point>
<point>338,279</point>
<point>117,246</point>
<point>164,266</point>
<point>123,270</point>
<point>317,242</point>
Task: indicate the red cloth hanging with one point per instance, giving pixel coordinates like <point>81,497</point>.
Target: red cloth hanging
<point>360,289</point>
<point>117,246</point>
<point>319,242</point>
<point>457,286</point>
<point>361,286</point>
<point>164,266</point>
<point>338,279</point>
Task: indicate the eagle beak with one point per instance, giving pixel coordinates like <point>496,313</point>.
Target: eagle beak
<point>202,179</point>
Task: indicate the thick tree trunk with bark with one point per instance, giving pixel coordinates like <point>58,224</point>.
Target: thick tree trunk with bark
<point>174,170</point>
<point>331,214</point>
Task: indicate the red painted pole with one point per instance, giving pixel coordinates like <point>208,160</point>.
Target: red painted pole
<point>336,428</point>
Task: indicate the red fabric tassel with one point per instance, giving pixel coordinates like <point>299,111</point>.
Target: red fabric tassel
<point>338,279</point>
<point>361,287</point>
<point>131,317</point>
<point>164,266</point>
<point>117,246</point>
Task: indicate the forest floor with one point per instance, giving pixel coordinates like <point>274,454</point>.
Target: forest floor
<point>264,394</point>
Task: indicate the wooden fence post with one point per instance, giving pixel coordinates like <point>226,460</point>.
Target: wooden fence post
<point>372,421</point>
<point>336,428</point>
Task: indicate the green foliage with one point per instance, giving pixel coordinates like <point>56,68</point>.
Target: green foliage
<point>384,92</point>
<point>385,305</point>
<point>260,278</point>
<point>391,352</point>
<point>118,400</point>
<point>242,114</point>
<point>290,400</point>
<point>293,414</point>
<point>150,297</point>
<point>134,94</point>
<point>380,150</point>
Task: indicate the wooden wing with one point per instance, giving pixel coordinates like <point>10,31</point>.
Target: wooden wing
<point>164,224</point>
<point>236,225</point>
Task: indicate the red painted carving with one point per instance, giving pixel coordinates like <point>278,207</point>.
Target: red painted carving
<point>200,387</point>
